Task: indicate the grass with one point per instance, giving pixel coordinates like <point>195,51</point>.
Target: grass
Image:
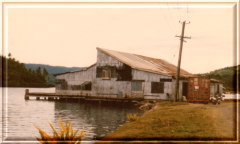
<point>173,121</point>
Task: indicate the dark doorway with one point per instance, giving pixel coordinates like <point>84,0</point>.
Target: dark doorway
<point>185,89</point>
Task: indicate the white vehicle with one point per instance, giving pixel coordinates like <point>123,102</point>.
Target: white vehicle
<point>216,99</point>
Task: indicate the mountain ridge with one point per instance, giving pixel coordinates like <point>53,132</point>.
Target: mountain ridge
<point>52,69</point>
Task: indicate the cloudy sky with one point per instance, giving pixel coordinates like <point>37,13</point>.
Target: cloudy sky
<point>68,36</point>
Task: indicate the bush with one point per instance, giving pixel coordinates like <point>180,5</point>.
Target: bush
<point>132,117</point>
<point>65,135</point>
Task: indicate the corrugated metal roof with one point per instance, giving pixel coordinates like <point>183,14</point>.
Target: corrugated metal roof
<point>145,63</point>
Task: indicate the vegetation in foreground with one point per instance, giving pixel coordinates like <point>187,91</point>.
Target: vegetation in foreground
<point>174,121</point>
<point>15,74</point>
<point>65,135</point>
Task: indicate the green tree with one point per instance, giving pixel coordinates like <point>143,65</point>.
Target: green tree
<point>45,72</point>
<point>38,70</point>
<point>16,75</point>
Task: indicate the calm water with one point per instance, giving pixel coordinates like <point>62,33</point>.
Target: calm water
<point>20,116</point>
<point>231,96</point>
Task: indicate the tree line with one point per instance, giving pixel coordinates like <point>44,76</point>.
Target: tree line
<point>14,74</point>
<point>228,75</point>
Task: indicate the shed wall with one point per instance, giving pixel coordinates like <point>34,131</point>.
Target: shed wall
<point>114,87</point>
<point>214,89</point>
<point>106,60</point>
<point>110,87</point>
<point>148,78</point>
<point>77,78</point>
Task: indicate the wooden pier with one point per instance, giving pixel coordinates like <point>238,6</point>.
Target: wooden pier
<point>77,97</point>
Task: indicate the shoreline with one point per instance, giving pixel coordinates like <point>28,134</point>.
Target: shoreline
<point>179,121</point>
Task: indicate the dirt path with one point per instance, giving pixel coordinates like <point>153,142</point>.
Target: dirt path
<point>225,119</point>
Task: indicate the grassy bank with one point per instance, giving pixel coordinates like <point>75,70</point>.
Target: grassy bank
<point>179,121</point>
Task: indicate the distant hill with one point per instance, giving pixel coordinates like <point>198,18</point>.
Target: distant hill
<point>227,75</point>
<point>19,76</point>
<point>52,69</point>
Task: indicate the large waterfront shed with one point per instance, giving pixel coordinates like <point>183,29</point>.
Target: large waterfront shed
<point>124,75</point>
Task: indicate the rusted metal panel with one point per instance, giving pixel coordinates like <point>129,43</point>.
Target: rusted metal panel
<point>198,89</point>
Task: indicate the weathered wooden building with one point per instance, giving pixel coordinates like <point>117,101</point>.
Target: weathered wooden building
<point>124,75</point>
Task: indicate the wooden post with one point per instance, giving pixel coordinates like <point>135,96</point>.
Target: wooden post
<point>26,97</point>
<point>176,97</point>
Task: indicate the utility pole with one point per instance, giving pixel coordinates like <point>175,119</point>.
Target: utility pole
<point>176,97</point>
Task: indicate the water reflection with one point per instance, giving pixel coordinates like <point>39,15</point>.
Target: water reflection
<point>98,119</point>
<point>20,116</point>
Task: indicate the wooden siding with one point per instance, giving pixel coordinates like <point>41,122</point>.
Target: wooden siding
<point>113,87</point>
<point>77,78</point>
<point>106,60</point>
<point>148,78</point>
<point>213,89</point>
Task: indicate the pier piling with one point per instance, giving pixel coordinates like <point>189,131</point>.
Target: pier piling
<point>26,94</point>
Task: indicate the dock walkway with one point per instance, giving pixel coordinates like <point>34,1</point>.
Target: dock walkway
<point>77,97</point>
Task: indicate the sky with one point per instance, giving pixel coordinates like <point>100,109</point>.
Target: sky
<point>69,36</point>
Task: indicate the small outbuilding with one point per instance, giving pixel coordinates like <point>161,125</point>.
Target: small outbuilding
<point>201,89</point>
